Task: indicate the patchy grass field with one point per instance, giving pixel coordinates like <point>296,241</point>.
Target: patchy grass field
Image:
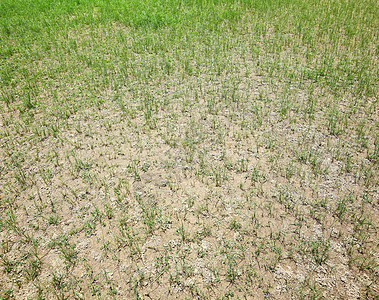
<point>189,149</point>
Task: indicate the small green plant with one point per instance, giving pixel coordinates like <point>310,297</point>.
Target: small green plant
<point>257,176</point>
<point>53,220</point>
<point>320,251</point>
<point>334,119</point>
<point>181,231</point>
<point>134,169</point>
<point>235,225</point>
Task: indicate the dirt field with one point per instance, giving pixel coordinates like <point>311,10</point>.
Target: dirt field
<point>189,150</point>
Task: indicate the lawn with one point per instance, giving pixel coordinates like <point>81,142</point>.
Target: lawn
<point>189,149</point>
